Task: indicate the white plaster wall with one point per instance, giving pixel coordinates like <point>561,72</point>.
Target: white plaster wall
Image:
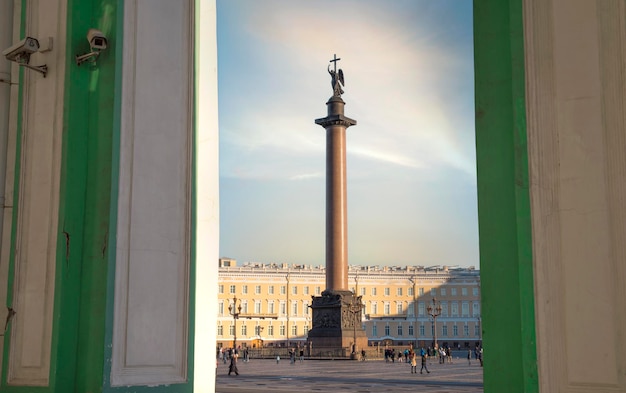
<point>151,316</point>
<point>207,213</point>
<point>576,108</point>
<point>36,231</point>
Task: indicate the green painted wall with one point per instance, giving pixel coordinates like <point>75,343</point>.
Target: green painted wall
<point>503,199</point>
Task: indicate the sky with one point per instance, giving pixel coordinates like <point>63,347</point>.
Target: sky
<point>409,84</point>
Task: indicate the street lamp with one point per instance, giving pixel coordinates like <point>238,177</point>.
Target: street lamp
<point>355,307</point>
<point>235,310</point>
<point>434,310</point>
<point>413,280</point>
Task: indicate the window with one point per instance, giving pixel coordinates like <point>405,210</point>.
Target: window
<point>221,308</point>
<point>244,289</point>
<point>220,330</point>
<point>232,289</point>
<point>257,330</point>
<point>386,291</point>
<point>244,307</point>
<point>411,309</point>
<point>362,291</point>
<point>283,290</point>
<point>231,330</point>
<point>466,331</point>
<point>453,291</point>
<point>421,291</point>
<point>374,331</point>
<point>387,330</point>
<point>455,309</point>
<point>421,309</point>
<point>387,309</point>
<point>411,332</point>
<point>400,330</point>
<point>476,309</point>
<point>399,308</point>
<point>244,330</point>
<point>474,291</point>
<point>270,290</point>
<point>374,308</point>
<point>221,288</point>
<point>477,330</point>
<point>410,291</point>
<point>433,291</point>
<point>257,307</point>
<point>294,308</point>
<point>257,290</point>
<point>455,330</point>
<point>399,291</point>
<point>422,330</point>
<point>373,291</point>
<point>465,309</point>
<point>444,309</point>
<point>317,290</point>
<point>443,292</point>
<point>294,290</point>
<point>283,308</point>
<point>306,330</point>
<point>464,291</point>
<point>305,307</point>
<point>270,330</point>
<point>444,330</point>
<point>282,330</point>
<point>306,290</point>
<point>270,307</point>
<point>294,330</point>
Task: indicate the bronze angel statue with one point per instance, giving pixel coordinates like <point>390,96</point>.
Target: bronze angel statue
<point>336,81</point>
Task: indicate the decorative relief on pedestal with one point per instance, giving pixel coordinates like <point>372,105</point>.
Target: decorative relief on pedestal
<point>326,319</point>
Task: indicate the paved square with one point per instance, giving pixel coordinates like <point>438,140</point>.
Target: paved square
<point>314,376</point>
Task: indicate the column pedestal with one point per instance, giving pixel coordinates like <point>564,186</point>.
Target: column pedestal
<point>336,325</point>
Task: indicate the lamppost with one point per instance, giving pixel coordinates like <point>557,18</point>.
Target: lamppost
<point>354,307</point>
<point>434,310</point>
<point>288,308</point>
<point>413,280</point>
<point>235,310</point>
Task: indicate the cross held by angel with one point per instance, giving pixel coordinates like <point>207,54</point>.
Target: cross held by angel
<point>336,77</point>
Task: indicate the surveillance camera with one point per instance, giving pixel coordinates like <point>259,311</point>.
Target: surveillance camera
<point>20,52</point>
<point>97,40</point>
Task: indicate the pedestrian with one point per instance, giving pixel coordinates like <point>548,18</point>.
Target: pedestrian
<point>362,355</point>
<point>469,357</point>
<point>424,365</point>
<point>233,365</point>
<point>277,359</point>
<point>413,360</point>
<point>480,357</point>
<point>301,355</point>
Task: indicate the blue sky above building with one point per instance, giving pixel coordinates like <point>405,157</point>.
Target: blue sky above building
<point>409,73</point>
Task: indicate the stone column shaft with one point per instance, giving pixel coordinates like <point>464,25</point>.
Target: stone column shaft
<point>336,209</point>
<point>336,195</point>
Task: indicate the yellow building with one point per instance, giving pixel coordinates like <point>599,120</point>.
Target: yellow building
<point>272,303</point>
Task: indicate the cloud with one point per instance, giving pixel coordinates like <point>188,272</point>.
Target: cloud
<point>394,78</point>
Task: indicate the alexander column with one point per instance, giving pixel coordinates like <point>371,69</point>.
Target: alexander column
<point>337,324</point>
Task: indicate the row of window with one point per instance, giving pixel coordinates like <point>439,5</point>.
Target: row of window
<point>258,330</point>
<point>422,330</point>
<point>370,307</point>
<point>363,291</point>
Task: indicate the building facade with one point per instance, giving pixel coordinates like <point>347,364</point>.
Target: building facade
<point>268,304</point>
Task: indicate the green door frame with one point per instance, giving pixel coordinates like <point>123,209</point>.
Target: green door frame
<point>506,263</point>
